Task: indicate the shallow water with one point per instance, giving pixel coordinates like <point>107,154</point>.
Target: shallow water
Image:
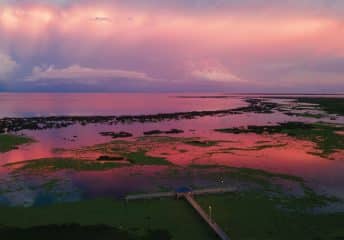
<point>91,104</point>
<point>292,157</point>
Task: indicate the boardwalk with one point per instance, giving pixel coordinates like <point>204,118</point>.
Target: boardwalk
<point>189,198</point>
<point>173,194</point>
<point>205,217</point>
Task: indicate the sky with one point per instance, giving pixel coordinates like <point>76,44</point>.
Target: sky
<point>284,46</point>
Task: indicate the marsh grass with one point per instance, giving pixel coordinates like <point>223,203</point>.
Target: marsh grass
<point>77,231</point>
<point>140,157</point>
<point>264,212</point>
<point>54,164</point>
<point>325,136</point>
<point>199,143</point>
<point>9,142</point>
<point>259,215</point>
<point>330,105</point>
<point>256,148</point>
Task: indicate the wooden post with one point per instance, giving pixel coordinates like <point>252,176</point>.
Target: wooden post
<point>210,214</point>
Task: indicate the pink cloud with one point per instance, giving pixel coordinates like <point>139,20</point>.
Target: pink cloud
<point>76,72</point>
<point>161,43</point>
<point>7,66</point>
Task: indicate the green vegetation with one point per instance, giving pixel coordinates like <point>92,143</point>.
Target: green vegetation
<point>325,136</point>
<point>330,105</point>
<point>140,157</point>
<point>269,129</point>
<point>243,215</point>
<point>10,142</point>
<point>256,148</point>
<point>53,164</point>
<point>245,174</point>
<point>136,217</point>
<point>311,115</point>
<point>199,143</point>
<point>259,215</point>
<point>194,141</point>
<point>76,231</point>
<point>306,115</point>
<point>265,210</point>
<point>50,185</point>
<point>270,211</point>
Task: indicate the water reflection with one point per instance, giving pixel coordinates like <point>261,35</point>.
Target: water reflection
<point>57,104</point>
<point>291,157</point>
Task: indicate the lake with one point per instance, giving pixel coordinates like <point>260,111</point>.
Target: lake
<point>195,142</point>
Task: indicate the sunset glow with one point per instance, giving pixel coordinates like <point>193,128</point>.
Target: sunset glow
<point>169,43</point>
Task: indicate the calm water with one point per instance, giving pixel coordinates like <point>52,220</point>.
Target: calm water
<point>292,158</point>
<point>54,104</point>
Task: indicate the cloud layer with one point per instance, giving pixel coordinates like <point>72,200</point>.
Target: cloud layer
<point>85,74</point>
<point>250,45</point>
<point>7,66</point>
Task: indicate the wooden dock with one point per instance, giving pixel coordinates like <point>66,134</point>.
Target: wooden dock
<point>206,217</point>
<point>173,194</point>
<point>188,196</point>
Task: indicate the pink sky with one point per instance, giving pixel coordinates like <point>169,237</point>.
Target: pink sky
<point>181,45</point>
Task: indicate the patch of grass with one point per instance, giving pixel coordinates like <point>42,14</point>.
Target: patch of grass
<point>199,143</point>
<point>50,185</point>
<point>330,105</point>
<point>9,142</point>
<point>258,215</point>
<point>243,215</point>
<point>311,115</point>
<point>325,136</point>
<point>159,139</point>
<point>268,129</point>
<point>247,173</point>
<point>269,186</point>
<point>53,164</point>
<point>305,115</point>
<point>137,217</point>
<point>257,148</point>
<point>76,231</point>
<point>140,157</point>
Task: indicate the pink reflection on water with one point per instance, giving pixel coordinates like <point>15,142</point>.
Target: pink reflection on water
<point>90,104</point>
<point>293,158</point>
<point>117,182</point>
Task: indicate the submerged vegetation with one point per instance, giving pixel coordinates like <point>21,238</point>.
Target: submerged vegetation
<point>116,134</point>
<point>9,142</point>
<point>330,105</point>
<point>254,148</point>
<point>141,158</point>
<point>199,143</point>
<point>157,132</point>
<point>53,164</point>
<point>325,136</point>
<point>102,163</point>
